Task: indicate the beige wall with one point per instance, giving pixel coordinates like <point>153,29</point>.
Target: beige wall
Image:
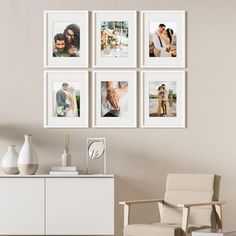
<point>140,158</point>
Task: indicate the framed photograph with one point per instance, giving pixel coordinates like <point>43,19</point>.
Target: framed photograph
<point>114,39</point>
<point>114,99</point>
<point>65,39</point>
<point>163,99</point>
<point>163,39</point>
<point>66,99</point>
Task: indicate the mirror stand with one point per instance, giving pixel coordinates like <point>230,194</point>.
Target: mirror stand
<point>96,156</point>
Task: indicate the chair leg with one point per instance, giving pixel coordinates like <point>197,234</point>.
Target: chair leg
<point>218,209</point>
<point>185,221</point>
<point>126,214</point>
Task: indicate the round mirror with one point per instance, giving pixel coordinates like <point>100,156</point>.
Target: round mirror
<point>96,149</point>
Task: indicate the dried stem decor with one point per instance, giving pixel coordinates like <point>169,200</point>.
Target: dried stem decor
<point>66,143</point>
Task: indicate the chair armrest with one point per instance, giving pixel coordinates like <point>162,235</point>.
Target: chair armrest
<point>141,201</point>
<point>188,205</point>
<point>186,212</point>
<point>127,206</point>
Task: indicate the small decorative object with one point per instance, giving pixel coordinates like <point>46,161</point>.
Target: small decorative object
<point>66,99</point>
<point>9,161</point>
<point>163,99</point>
<point>96,155</point>
<point>163,39</point>
<point>66,39</point>
<point>115,38</point>
<point>115,99</point>
<point>28,159</point>
<point>66,157</point>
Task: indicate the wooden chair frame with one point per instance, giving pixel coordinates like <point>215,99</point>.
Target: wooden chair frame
<point>217,205</point>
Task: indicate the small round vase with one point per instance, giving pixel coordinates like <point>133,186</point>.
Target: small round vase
<point>28,159</point>
<point>9,161</point>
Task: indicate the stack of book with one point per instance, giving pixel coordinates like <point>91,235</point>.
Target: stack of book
<point>64,170</point>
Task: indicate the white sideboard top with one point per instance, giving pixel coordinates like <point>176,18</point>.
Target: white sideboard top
<point>59,176</point>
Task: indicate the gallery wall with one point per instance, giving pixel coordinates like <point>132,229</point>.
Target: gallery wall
<point>140,158</point>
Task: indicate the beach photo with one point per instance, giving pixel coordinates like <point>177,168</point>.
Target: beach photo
<point>66,39</point>
<point>162,39</point>
<point>66,99</point>
<point>114,98</point>
<point>114,38</point>
<point>162,98</point>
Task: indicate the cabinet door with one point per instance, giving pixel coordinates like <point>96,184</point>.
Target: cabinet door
<point>21,206</point>
<point>79,206</point>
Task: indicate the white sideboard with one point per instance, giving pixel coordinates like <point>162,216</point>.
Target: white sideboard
<point>52,205</point>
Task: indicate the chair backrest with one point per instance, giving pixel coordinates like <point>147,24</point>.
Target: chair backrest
<point>190,188</point>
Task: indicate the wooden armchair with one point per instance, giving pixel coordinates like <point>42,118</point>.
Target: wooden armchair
<point>191,202</point>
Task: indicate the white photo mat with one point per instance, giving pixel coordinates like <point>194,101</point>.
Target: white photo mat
<point>51,77</point>
<point>115,122</point>
<point>177,17</point>
<point>163,122</point>
<point>131,59</point>
<point>67,18</point>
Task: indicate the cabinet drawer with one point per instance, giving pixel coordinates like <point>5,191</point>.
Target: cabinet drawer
<point>21,206</point>
<point>80,206</point>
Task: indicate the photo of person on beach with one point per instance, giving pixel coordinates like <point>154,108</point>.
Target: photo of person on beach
<point>162,99</point>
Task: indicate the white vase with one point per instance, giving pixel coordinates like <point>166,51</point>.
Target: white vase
<point>28,160</point>
<point>9,161</point>
<point>65,159</point>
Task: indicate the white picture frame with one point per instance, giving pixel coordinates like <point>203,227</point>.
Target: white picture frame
<point>173,20</point>
<point>109,57</point>
<point>53,81</point>
<point>56,22</point>
<point>175,105</point>
<point>128,101</point>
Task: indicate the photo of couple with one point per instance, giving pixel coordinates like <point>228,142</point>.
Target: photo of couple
<point>162,99</point>
<point>66,40</point>
<point>114,98</point>
<point>66,99</point>
<point>114,38</point>
<point>162,39</point>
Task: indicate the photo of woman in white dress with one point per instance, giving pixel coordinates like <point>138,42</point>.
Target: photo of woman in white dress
<point>162,39</point>
<point>162,99</point>
<point>72,110</point>
<point>66,99</point>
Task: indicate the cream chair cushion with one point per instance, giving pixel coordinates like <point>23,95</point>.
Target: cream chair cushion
<point>155,229</point>
<point>188,188</point>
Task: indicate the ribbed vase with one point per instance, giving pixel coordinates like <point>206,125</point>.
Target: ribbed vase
<point>28,159</point>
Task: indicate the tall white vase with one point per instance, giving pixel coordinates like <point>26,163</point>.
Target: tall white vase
<point>28,160</point>
<point>9,161</point>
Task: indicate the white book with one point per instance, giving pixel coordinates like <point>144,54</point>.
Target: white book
<point>64,168</point>
<point>61,173</point>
